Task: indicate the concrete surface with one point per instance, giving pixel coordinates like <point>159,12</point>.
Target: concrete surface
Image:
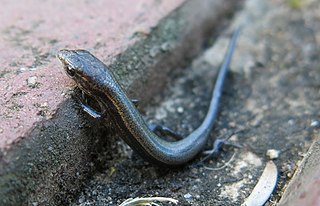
<point>47,146</point>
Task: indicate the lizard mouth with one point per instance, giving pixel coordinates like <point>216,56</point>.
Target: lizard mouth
<point>70,72</point>
<point>63,57</point>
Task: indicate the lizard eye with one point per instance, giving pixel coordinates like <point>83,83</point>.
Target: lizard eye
<point>70,71</point>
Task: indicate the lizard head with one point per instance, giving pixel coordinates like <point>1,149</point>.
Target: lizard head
<point>86,70</point>
<point>92,76</point>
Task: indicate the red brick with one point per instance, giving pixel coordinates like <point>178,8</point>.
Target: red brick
<point>304,188</point>
<point>32,33</point>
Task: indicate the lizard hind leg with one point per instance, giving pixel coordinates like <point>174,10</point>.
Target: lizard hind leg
<point>164,131</point>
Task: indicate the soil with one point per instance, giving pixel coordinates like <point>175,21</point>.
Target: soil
<point>272,94</point>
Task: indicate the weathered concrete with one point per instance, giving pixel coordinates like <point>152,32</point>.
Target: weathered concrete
<point>47,146</point>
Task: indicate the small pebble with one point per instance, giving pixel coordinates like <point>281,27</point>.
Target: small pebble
<point>94,193</point>
<point>314,123</point>
<point>22,69</point>
<point>165,46</point>
<point>154,51</point>
<point>45,104</point>
<point>180,109</point>
<point>32,81</point>
<point>82,199</point>
<point>272,154</point>
<point>187,196</point>
<point>291,122</point>
<point>232,124</point>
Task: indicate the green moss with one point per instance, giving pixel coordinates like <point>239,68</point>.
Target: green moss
<point>295,4</point>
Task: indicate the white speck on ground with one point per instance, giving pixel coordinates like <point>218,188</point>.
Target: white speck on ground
<point>232,190</point>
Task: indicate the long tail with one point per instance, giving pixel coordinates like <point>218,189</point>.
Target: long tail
<point>216,95</point>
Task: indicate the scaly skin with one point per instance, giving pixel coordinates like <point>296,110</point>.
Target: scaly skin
<point>97,81</point>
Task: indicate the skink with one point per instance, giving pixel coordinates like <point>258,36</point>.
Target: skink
<point>96,80</point>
